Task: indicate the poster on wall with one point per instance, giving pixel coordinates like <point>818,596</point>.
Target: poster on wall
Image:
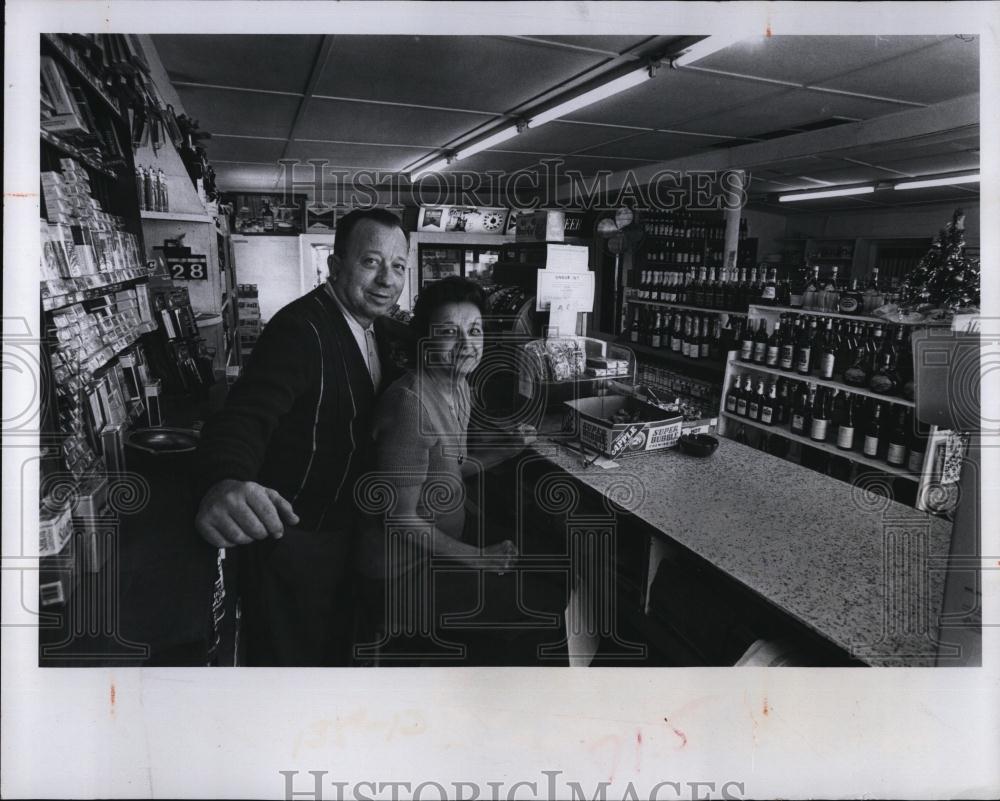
<point>268,214</point>
<point>462,219</point>
<point>573,222</point>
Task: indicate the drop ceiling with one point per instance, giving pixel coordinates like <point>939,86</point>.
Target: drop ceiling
<point>392,102</point>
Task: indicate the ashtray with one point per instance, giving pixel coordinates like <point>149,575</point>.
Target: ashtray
<point>698,444</point>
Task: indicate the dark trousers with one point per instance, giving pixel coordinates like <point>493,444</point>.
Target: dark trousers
<point>297,599</point>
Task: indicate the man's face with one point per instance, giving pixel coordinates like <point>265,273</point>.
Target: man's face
<point>370,277</point>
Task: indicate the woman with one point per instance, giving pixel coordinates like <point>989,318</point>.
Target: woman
<point>425,558</point>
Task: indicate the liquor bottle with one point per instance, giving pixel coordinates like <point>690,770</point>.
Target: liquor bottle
<point>705,340</point>
<point>773,353</point>
<point>846,424</point>
<point>743,400</point>
<point>655,334</point>
<point>760,343</point>
<point>899,435</point>
<point>665,331</point>
<point>769,410</point>
<point>884,379</point>
<point>653,288</point>
<point>904,362</point>
<point>857,374</point>
<point>873,432</point>
<point>140,188</point>
<point>802,412</point>
<point>851,301</point>
<point>694,338</point>
<point>872,296</point>
<point>784,411</point>
<point>686,336</point>
<point>803,351</point>
<point>267,216</point>
<point>784,297</point>
<point>809,294</point>
<point>756,401</point>
<point>814,332</point>
<point>715,343</point>
<point>829,296</point>
<point>846,348</point>
<point>919,435</point>
<point>746,339</point>
<point>675,335</point>
<point>716,288</point>
<point>820,423</point>
<point>733,395</point>
<point>634,332</point>
<point>826,350</point>
<point>786,358</point>
<point>769,291</point>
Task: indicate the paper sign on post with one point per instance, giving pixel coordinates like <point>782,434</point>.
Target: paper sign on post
<point>565,291</point>
<point>567,258</point>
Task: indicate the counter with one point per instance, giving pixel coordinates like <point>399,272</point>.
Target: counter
<point>862,572</point>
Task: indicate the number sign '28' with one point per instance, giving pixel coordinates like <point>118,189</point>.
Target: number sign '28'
<point>188,268</point>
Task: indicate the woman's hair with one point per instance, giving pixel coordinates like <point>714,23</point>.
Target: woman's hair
<point>433,296</point>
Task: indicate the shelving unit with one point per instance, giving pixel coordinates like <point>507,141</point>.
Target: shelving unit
<point>176,216</point>
<point>701,309</point>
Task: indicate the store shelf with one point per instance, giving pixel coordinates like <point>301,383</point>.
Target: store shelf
<point>820,313</point>
<point>176,216</point>
<point>709,369</point>
<point>822,382</point>
<point>65,292</point>
<point>71,150</point>
<point>70,60</point>
<point>668,305</point>
<point>853,456</point>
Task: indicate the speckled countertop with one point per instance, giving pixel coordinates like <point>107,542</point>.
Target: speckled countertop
<point>860,570</point>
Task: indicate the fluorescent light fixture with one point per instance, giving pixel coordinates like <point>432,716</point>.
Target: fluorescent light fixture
<point>853,190</point>
<point>703,49</point>
<point>626,81</point>
<point>955,179</point>
<point>500,136</point>
<point>433,166</point>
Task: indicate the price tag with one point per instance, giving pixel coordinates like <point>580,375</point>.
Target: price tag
<point>188,268</point>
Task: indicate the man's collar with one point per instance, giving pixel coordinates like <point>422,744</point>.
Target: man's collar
<point>351,319</point>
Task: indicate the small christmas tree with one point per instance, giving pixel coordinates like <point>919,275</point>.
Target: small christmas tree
<point>946,278</point>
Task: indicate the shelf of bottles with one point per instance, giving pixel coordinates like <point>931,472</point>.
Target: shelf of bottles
<point>680,335</point>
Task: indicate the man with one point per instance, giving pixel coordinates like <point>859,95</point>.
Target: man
<point>277,465</point>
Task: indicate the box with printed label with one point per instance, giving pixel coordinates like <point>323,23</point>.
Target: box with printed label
<point>619,425</point>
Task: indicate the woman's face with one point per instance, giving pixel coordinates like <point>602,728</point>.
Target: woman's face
<point>456,333</point>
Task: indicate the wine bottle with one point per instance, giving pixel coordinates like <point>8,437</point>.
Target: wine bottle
<point>769,413</point>
<point>904,362</point>
<point>918,446</point>
<point>801,409</point>
<point>784,410</point>
<point>846,424</point>
<point>705,340</point>
<point>809,294</point>
<point>820,423</point>
<point>634,332</point>
<point>786,359</point>
<point>850,300</point>
<point>756,401</point>
<point>826,348</point>
<point>760,343</point>
<point>655,336</point>
<point>873,432</point>
<point>676,340</point>
<point>715,341</point>
<point>733,395</point>
<point>769,290</point>
<point>743,399</point>
<point>267,216</point>
<point>898,437</point>
<point>774,345</point>
<point>803,351</point>
<point>746,340</point>
<point>884,379</point>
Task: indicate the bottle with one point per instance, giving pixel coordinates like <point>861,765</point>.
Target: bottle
<point>803,351</point>
<point>760,343</point>
<point>773,353</point>
<point>904,362</point>
<point>919,435</point>
<point>846,424</point>
<point>820,423</point>
<point>851,301</point>
<point>634,332</point>
<point>665,331</point>
<point>898,437</point>
<point>769,410</point>
<point>756,401</point>
<point>733,395</point>
<point>784,410</point>
<point>267,216</point>
<point>829,296</point>
<point>786,358</point>
<point>769,291</point>
<point>809,294</point>
<point>873,432</point>
<point>826,350</point>
<point>743,399</point>
<point>675,335</point>
<point>872,297</point>
<point>705,340</point>
<point>746,340</point>
<point>655,336</point>
<point>140,187</point>
<point>801,409</point>
<point>883,378</point>
<point>715,342</point>
<point>857,374</point>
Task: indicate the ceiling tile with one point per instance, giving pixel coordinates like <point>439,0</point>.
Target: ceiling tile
<point>365,156</point>
<point>244,113</point>
<point>950,69</point>
<point>469,72</point>
<point>652,146</point>
<point>493,160</point>
<point>274,62</point>
<point>787,109</point>
<point>941,162</point>
<point>367,122</point>
<point>673,96</point>
<point>610,44</point>
<point>238,149</point>
<point>805,59</point>
<point>919,148</point>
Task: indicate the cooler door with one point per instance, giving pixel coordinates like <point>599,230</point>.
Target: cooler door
<point>437,262</point>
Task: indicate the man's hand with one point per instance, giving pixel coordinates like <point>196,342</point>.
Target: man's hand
<point>239,512</point>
